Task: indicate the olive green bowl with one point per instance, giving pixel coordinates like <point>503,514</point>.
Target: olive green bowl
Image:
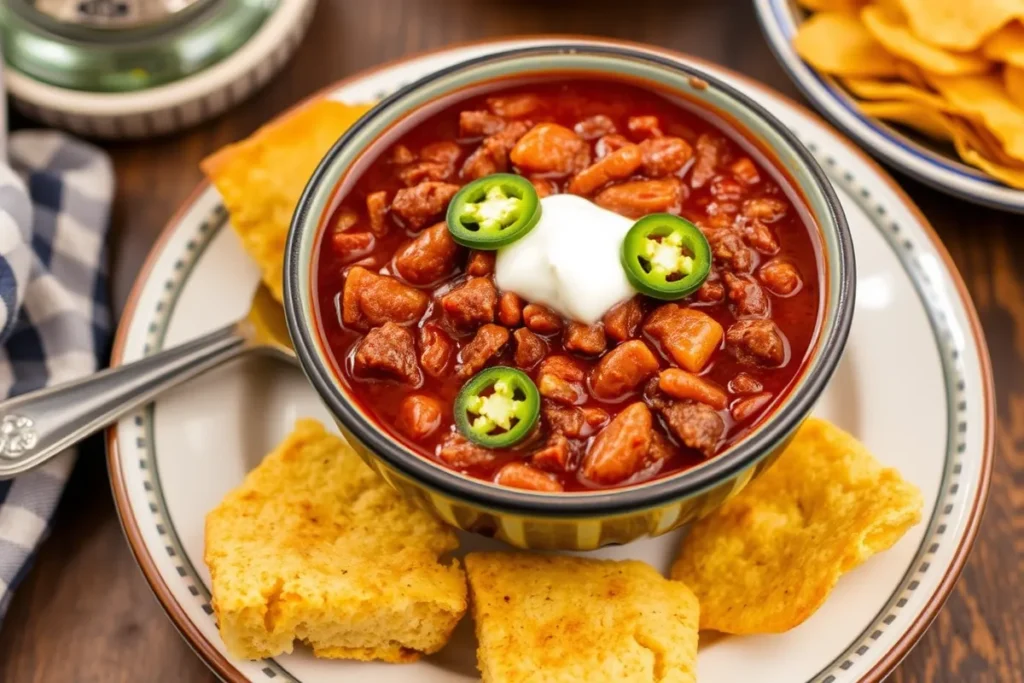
<point>585,520</point>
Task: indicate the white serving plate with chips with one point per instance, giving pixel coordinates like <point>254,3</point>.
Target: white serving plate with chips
<point>915,385</point>
<point>929,163</point>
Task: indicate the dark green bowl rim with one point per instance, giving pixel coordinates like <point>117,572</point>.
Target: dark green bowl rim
<point>688,483</point>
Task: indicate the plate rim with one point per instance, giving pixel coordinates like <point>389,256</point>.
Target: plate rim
<point>225,670</point>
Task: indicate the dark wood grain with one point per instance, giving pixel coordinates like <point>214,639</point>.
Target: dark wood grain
<point>85,614</point>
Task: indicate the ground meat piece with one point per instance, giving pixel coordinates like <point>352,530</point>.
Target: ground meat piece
<point>550,148</point>
<point>561,379</point>
<point>459,452</point>
<point>682,386</point>
<point>622,321</point>
<point>757,342</point>
<point>428,258</point>
<point>419,416</point>
<point>760,236</point>
<point>610,143</point>
<point>661,448</point>
<point>747,297</point>
<point>563,420</point>
<point>417,206</point>
<point>618,450</point>
<point>541,319</point>
<point>665,156</point>
<point>436,349</point>
<point>726,189</point>
<point>618,165</point>
<point>492,154</point>
<point>729,250</point>
<point>641,127</point>
<point>346,219</point>
<point>640,197</point>
<point>744,384</point>
<point>711,291</point>
<point>480,263</point>
<point>554,456</point>
<point>350,246</point>
<point>622,370</point>
<point>585,339</point>
<point>545,187</point>
<point>487,343</point>
<point>424,171</point>
<point>377,209</point>
<point>472,303</point>
<point>530,349</point>
<point>519,475</point>
<point>744,170</point>
<point>594,127</point>
<point>689,336</point>
<point>388,351</point>
<point>745,408</point>
<point>401,155</point>
<point>696,425</point>
<point>510,309</point>
<point>780,277</point>
<point>515,106</point>
<point>478,124</point>
<point>710,152</point>
<point>369,300</point>
<point>765,209</point>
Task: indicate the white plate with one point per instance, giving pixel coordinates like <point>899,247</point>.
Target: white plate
<point>914,385</point>
<point>943,171</point>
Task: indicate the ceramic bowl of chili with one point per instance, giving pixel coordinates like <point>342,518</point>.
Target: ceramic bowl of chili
<point>723,227</point>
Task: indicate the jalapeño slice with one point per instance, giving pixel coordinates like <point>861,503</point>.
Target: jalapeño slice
<point>494,211</point>
<point>665,256</point>
<point>497,407</point>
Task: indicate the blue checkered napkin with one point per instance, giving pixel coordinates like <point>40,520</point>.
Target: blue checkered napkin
<point>54,317</point>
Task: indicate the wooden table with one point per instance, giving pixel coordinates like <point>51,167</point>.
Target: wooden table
<point>85,612</point>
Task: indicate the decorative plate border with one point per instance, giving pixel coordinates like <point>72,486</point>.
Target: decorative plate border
<point>936,306</point>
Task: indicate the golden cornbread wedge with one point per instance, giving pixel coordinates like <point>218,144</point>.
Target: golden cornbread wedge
<point>557,619</point>
<point>768,558</point>
<point>262,177</point>
<point>315,547</point>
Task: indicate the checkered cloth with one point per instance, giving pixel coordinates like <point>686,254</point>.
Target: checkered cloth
<point>54,317</point>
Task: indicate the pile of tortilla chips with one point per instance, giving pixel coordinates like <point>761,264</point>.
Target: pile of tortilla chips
<point>950,69</point>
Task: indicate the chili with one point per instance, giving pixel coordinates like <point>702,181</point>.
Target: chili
<point>497,407</point>
<point>666,257</point>
<point>493,211</point>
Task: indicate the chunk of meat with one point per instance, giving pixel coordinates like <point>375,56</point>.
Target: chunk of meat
<point>622,321</point>
<point>711,291</point>
<point>568,420</point>
<point>545,187</point>
<point>436,350</point>
<point>519,475</point>
<point>690,337</point>
<point>350,246</point>
<point>492,154</point>
<point>744,170</point>
<point>622,370</point>
<point>478,124</point>
<point>485,345</point>
<point>472,303</point>
<point>595,418</point>
<point>510,309</point>
<point>682,386</point>
<point>586,339</point>
<point>419,205</point>
<point>369,300</point>
<point>550,148</point>
<point>459,452</point>
<point>561,379</point>
<point>541,319</point>
<point>618,165</point>
<point>610,143</point>
<point>594,127</point>
<point>760,237</point>
<point>445,152</point>
<point>419,416</point>
<point>780,277</point>
<point>765,209</point>
<point>377,209</point>
<point>729,250</point>
<point>430,257</point>
<point>480,263</point>
<point>744,384</point>
<point>711,150</point>
<point>400,155</point>
<point>640,197</point>
<point>665,156</point>
<point>530,349</point>
<point>388,351</point>
<point>696,425</point>
<point>661,448</point>
<point>554,456</point>
<point>346,219</point>
<point>515,106</point>
<point>757,342</point>
<point>745,408</point>
<point>747,298</point>
<point>726,189</point>
<point>618,451</point>
<point>641,127</point>
<point>425,171</point>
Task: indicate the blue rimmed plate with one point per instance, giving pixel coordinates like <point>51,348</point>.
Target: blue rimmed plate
<point>930,164</point>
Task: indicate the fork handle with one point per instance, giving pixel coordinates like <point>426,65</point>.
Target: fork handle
<point>38,425</point>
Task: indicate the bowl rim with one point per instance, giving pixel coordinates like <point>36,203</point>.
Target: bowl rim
<point>827,351</point>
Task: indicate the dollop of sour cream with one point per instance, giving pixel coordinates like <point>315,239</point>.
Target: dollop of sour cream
<point>570,260</point>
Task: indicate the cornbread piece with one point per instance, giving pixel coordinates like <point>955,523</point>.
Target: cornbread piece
<point>261,178</point>
<point>315,547</point>
<point>557,619</point>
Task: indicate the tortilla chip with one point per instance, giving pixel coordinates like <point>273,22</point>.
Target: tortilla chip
<point>959,24</point>
<point>919,117</point>
<point>872,89</point>
<point>838,44</point>
<point>895,36</point>
<point>1013,79</point>
<point>766,560</point>
<point>984,98</point>
<point>911,74</point>
<point>261,178</point>
<point>831,5</point>
<point>1006,45</point>
<point>1001,171</point>
<point>558,619</point>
